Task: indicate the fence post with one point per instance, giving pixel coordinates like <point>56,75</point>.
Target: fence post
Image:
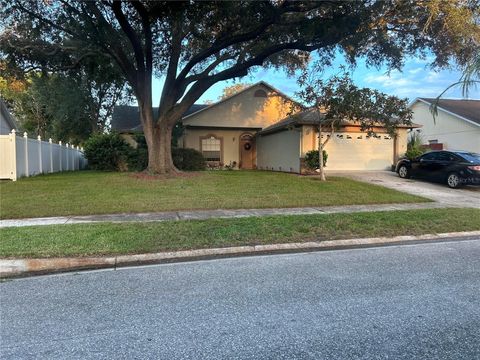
<point>60,157</point>
<point>82,158</point>
<point>66,153</point>
<point>13,142</point>
<point>77,159</point>
<point>40,158</point>
<point>51,154</point>
<point>72,156</point>
<point>25,139</point>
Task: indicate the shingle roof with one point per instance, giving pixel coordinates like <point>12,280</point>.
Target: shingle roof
<point>310,117</point>
<point>7,115</point>
<point>468,109</point>
<point>127,118</point>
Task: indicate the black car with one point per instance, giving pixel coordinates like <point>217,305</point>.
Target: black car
<point>456,168</point>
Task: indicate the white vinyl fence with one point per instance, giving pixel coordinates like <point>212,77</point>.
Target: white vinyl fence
<point>21,156</point>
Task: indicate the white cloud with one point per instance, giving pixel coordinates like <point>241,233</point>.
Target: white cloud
<point>411,83</point>
<point>416,70</point>
<point>394,79</point>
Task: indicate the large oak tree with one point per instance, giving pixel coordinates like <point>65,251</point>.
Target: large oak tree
<point>196,44</point>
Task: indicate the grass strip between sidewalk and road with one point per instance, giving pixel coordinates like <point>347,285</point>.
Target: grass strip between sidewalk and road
<point>133,238</point>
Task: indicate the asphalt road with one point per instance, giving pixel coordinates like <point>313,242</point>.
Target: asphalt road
<point>402,302</point>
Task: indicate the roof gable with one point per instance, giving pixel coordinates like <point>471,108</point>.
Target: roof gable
<point>466,110</point>
<point>127,118</point>
<point>258,84</point>
<point>5,114</point>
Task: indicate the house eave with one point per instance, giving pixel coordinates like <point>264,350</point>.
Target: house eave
<point>444,110</point>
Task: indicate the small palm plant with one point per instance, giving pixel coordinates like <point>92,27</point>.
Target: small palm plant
<point>415,146</point>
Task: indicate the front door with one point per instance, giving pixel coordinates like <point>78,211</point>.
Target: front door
<point>247,151</point>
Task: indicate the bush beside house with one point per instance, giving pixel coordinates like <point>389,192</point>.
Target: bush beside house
<point>414,146</point>
<point>110,152</point>
<point>107,152</point>
<point>312,159</point>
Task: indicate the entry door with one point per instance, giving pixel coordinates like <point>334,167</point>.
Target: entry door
<point>247,151</point>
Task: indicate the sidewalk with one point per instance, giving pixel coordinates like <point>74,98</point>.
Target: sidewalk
<point>28,267</point>
<point>209,214</point>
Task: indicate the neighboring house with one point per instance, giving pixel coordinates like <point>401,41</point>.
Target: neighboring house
<point>456,127</point>
<point>7,121</point>
<point>255,128</point>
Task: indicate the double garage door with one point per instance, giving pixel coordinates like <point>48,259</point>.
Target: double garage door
<point>357,151</point>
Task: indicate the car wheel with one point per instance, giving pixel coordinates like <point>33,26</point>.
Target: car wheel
<point>453,181</point>
<point>404,172</point>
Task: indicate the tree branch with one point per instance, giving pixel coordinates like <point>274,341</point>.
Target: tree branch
<point>131,35</point>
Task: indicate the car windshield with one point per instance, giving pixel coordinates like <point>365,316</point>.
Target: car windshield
<point>471,157</point>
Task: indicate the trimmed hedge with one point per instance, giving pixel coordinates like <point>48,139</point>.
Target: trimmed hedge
<point>188,159</point>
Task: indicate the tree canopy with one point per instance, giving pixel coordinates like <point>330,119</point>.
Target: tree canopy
<point>64,105</point>
<point>195,44</point>
<point>232,89</point>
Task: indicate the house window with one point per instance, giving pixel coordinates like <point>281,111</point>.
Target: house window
<point>260,93</point>
<point>211,148</point>
<point>433,141</point>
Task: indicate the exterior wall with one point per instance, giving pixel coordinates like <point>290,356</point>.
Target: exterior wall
<point>130,139</point>
<point>5,127</point>
<point>244,110</point>
<point>357,152</point>
<point>279,151</point>
<point>230,142</point>
<point>401,143</point>
<point>453,132</point>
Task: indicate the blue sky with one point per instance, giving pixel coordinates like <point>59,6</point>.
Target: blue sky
<point>415,80</point>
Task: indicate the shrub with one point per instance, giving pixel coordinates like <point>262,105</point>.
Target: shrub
<point>312,161</point>
<point>107,152</point>
<point>138,158</point>
<point>188,159</point>
<point>414,146</point>
<point>112,153</point>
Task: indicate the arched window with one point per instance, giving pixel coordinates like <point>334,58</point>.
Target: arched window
<point>260,93</point>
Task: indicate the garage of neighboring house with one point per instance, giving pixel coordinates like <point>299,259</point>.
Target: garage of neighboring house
<point>282,146</point>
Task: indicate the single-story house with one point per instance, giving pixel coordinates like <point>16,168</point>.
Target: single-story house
<point>7,121</point>
<point>456,127</point>
<point>260,127</point>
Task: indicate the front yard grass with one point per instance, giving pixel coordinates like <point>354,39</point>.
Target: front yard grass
<point>90,192</point>
<point>129,238</point>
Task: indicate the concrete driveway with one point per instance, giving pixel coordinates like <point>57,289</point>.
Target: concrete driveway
<point>468,196</point>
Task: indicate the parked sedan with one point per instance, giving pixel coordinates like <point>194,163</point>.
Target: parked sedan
<point>456,168</point>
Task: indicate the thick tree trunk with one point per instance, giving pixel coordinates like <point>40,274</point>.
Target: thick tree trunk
<point>159,142</point>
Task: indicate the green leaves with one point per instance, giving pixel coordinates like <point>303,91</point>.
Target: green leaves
<point>339,99</point>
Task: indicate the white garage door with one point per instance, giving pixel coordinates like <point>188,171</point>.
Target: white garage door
<point>357,151</point>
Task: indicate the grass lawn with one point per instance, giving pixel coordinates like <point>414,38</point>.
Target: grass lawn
<point>127,238</point>
<point>90,192</point>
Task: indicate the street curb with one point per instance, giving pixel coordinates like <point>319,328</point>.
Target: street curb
<point>27,267</point>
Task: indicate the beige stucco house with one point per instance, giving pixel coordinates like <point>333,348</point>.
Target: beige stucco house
<point>260,127</point>
<point>456,126</point>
